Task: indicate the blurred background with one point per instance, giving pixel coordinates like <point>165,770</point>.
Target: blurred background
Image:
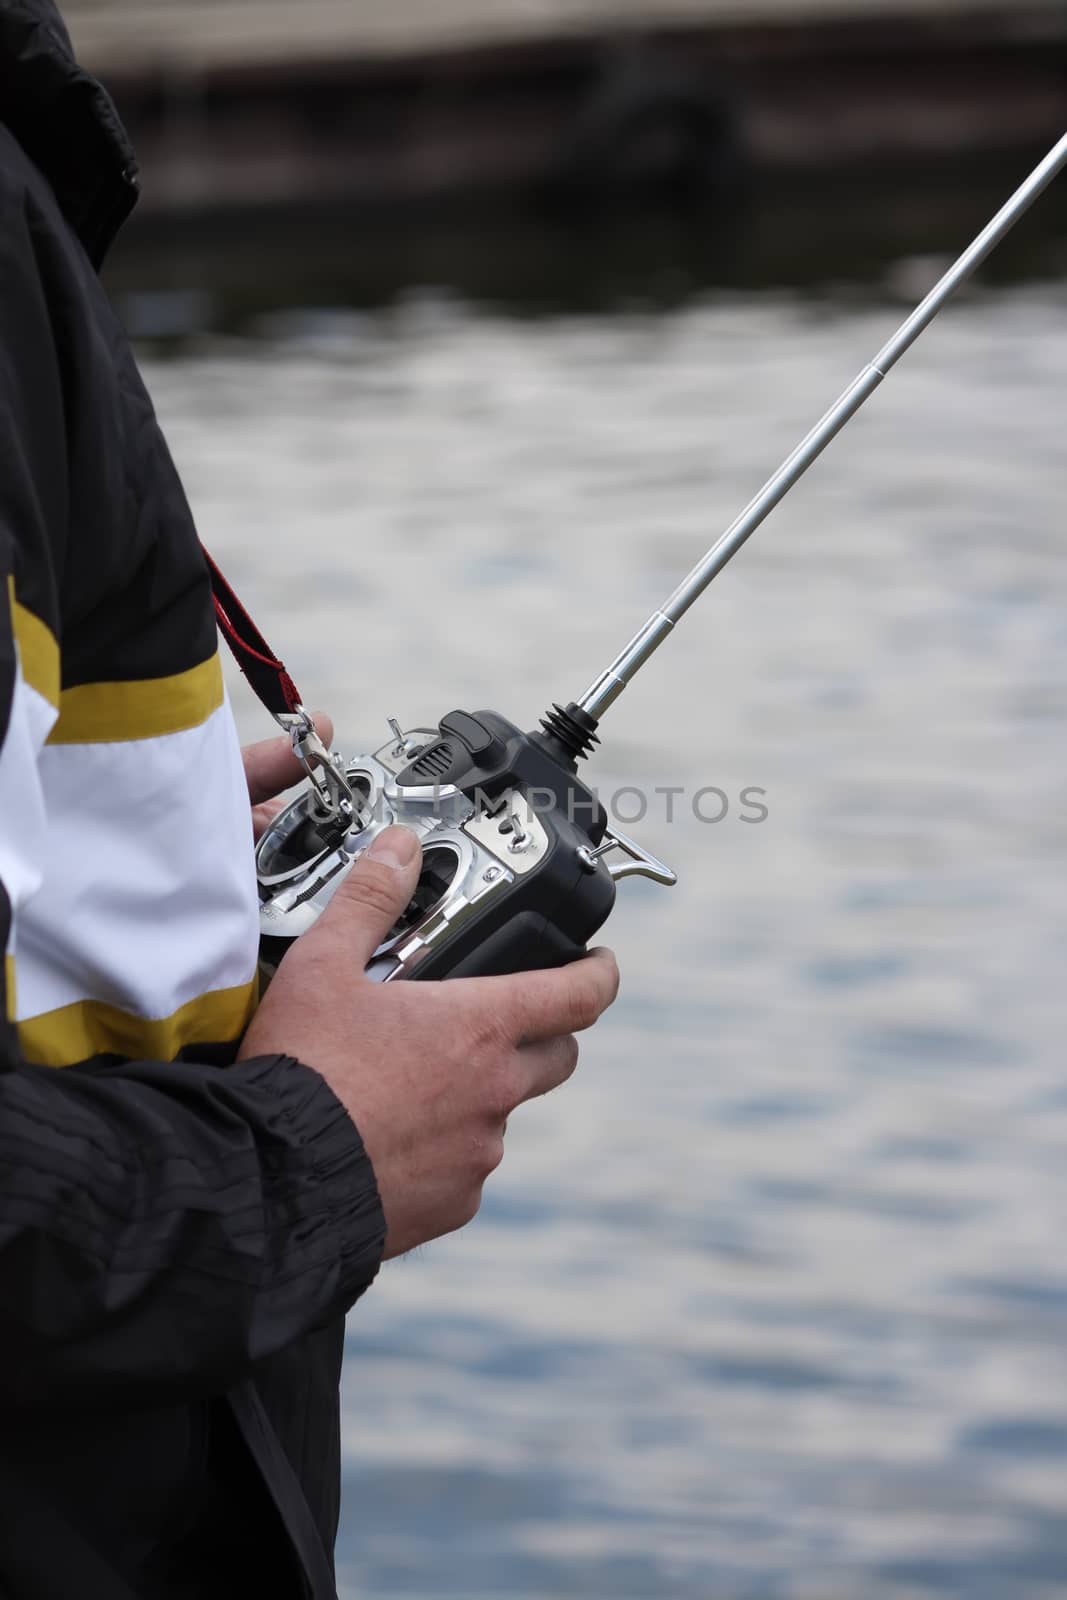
<point>471,324</point>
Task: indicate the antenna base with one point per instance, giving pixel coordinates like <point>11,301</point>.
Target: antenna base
<point>570,731</point>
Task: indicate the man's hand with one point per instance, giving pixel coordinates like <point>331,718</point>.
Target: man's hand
<point>271,767</point>
<point>429,1072</point>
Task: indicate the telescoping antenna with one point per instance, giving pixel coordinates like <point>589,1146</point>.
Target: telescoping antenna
<point>606,689</point>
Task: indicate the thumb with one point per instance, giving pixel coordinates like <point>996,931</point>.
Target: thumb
<point>371,897</point>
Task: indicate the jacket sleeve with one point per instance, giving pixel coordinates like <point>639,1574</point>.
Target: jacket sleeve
<point>162,1227</point>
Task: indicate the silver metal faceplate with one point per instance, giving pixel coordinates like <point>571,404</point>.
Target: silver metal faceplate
<point>487,854</point>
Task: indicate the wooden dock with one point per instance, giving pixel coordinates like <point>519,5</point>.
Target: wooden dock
<point>123,36</point>
<point>267,103</point>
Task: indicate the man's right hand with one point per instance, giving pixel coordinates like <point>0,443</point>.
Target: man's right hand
<point>429,1072</point>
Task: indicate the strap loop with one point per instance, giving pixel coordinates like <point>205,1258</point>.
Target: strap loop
<point>270,682</point>
<point>275,689</point>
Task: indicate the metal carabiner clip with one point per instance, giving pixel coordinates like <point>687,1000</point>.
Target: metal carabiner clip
<point>335,797</point>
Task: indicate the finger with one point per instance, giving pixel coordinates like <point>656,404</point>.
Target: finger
<point>370,899</point>
<point>542,1005</point>
<point>264,814</point>
<point>545,1066</point>
<point>271,766</point>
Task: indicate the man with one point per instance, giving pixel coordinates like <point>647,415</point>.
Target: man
<point>189,1207</point>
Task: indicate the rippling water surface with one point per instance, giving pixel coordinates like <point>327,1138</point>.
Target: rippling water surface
<point>771,1302</point>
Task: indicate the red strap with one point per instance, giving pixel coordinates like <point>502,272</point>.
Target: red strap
<point>264,671</point>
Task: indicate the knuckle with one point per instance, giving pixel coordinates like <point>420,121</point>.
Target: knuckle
<point>583,1007</point>
<point>500,1097</point>
<point>492,1154</point>
<point>559,1064</point>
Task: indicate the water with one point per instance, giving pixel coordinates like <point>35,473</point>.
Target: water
<point>771,1302</point>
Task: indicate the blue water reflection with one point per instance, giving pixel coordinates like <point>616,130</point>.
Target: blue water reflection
<point>770,1304</point>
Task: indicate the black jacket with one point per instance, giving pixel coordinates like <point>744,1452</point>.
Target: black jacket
<point>179,1237</point>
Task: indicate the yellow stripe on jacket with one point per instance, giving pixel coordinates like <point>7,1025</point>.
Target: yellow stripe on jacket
<point>146,708</point>
<point>38,650</point>
<point>91,1027</point>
